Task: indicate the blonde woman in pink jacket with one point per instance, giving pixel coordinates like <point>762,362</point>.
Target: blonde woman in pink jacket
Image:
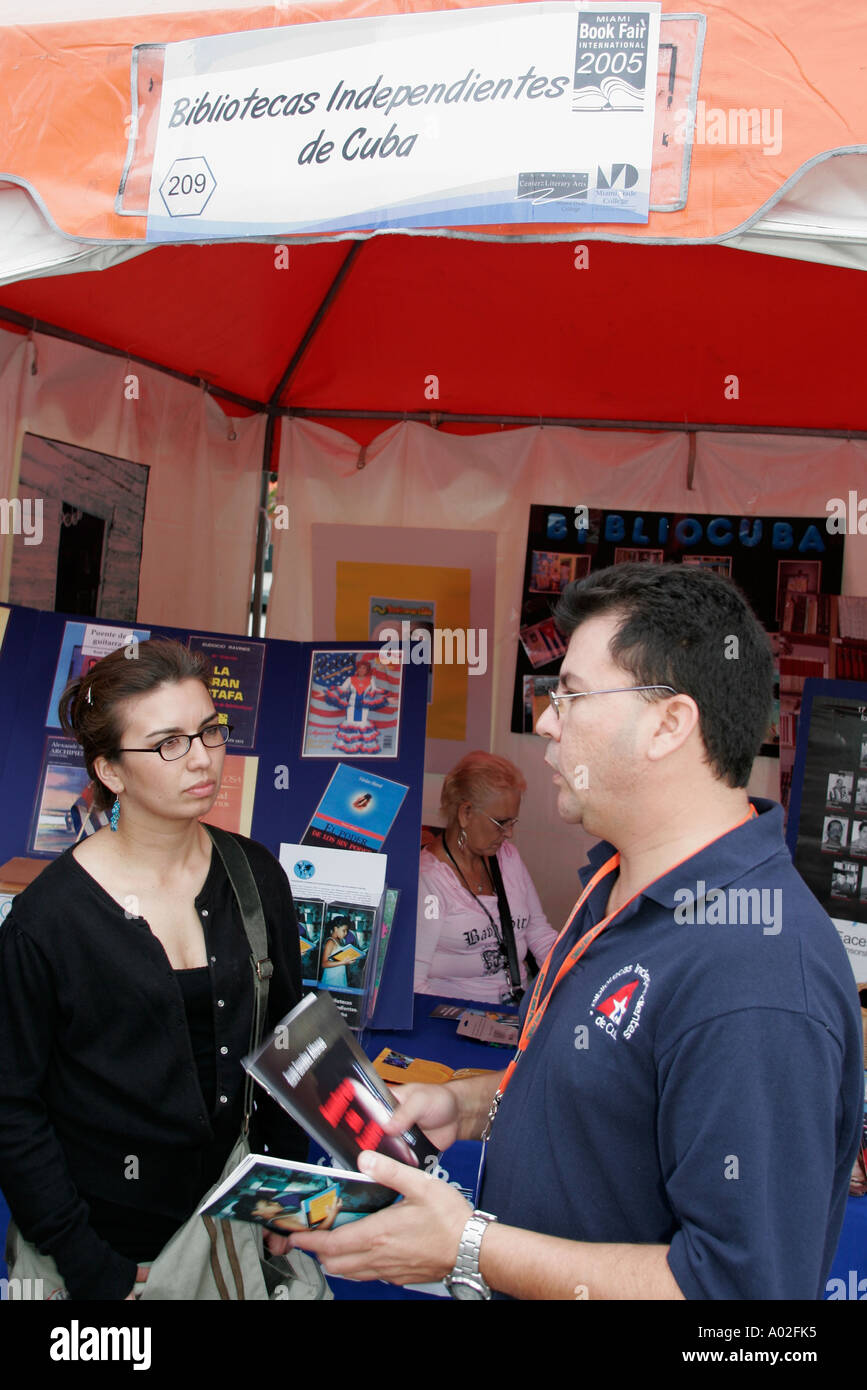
<point>474,886</point>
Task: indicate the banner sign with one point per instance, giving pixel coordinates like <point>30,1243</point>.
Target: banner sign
<point>503,115</point>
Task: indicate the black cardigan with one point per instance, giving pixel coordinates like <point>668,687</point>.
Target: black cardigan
<point>97,1068</point>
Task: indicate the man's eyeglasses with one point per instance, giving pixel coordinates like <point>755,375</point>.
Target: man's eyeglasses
<point>555,696</point>
<point>179,744</point>
<point>507,824</point>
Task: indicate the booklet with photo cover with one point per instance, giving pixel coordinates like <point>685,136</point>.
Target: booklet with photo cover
<point>335,889</point>
<point>398,1069</point>
<point>286,1196</point>
<point>313,1067</point>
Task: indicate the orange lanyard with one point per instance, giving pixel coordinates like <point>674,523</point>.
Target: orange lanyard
<point>538,1005</point>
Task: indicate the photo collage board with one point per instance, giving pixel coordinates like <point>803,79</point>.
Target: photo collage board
<point>790,568</point>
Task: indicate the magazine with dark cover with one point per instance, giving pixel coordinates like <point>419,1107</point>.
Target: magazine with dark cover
<point>313,1067</point>
<point>287,1196</point>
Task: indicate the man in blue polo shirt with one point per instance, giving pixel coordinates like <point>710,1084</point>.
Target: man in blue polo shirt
<point>684,1111</point>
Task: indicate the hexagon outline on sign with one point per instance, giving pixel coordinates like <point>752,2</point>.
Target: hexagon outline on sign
<point>205,195</point>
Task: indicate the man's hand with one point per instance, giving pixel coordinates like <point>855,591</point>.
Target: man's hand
<point>413,1242</point>
<point>434,1109</point>
<point>277,1244</point>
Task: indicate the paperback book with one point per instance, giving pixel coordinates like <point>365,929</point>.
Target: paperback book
<point>314,1068</point>
<point>285,1196</point>
<point>356,811</point>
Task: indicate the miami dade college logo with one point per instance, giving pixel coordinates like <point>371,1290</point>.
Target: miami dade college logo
<point>616,1007</point>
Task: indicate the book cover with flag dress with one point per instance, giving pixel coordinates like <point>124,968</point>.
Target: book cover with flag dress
<point>353,706</point>
<point>358,695</point>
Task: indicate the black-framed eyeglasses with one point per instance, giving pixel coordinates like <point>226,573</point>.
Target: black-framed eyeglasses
<point>508,824</point>
<point>555,696</point>
<point>177,745</point>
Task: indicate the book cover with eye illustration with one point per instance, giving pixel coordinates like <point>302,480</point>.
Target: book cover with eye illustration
<point>313,1066</point>
<point>356,811</point>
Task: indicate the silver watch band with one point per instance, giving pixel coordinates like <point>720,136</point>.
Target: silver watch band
<point>465,1279</point>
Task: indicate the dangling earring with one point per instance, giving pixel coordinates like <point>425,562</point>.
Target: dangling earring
<point>115,814</point>
<point>462,838</point>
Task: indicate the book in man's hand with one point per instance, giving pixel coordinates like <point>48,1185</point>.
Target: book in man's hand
<point>284,1196</point>
<point>313,1067</point>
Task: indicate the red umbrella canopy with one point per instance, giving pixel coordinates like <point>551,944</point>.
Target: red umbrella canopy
<point>406,324</point>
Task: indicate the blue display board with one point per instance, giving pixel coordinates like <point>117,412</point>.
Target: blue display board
<point>288,785</point>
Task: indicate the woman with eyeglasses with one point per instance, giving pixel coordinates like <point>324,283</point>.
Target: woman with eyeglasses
<point>126,989</point>
<point>478,911</point>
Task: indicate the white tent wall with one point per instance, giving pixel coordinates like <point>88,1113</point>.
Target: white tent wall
<point>199,538</point>
<point>416,476</point>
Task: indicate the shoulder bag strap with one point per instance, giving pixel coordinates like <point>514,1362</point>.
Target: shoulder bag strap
<point>506,924</point>
<point>240,875</point>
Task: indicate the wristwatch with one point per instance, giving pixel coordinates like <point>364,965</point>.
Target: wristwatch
<point>465,1281</point>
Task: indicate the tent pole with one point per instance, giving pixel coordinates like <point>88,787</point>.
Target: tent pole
<point>262,525</point>
<point>425,417</point>
<point>313,326</point>
<point>52,330</point>
<point>274,414</point>
<point>28,324</point>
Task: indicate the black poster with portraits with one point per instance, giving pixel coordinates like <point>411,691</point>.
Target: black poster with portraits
<point>787,567</point>
<point>827,827</point>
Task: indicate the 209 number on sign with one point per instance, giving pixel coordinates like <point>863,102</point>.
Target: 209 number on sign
<point>186,183</point>
<point>187,186</point>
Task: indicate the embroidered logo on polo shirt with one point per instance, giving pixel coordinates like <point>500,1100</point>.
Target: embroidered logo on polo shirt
<point>617,1006</point>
